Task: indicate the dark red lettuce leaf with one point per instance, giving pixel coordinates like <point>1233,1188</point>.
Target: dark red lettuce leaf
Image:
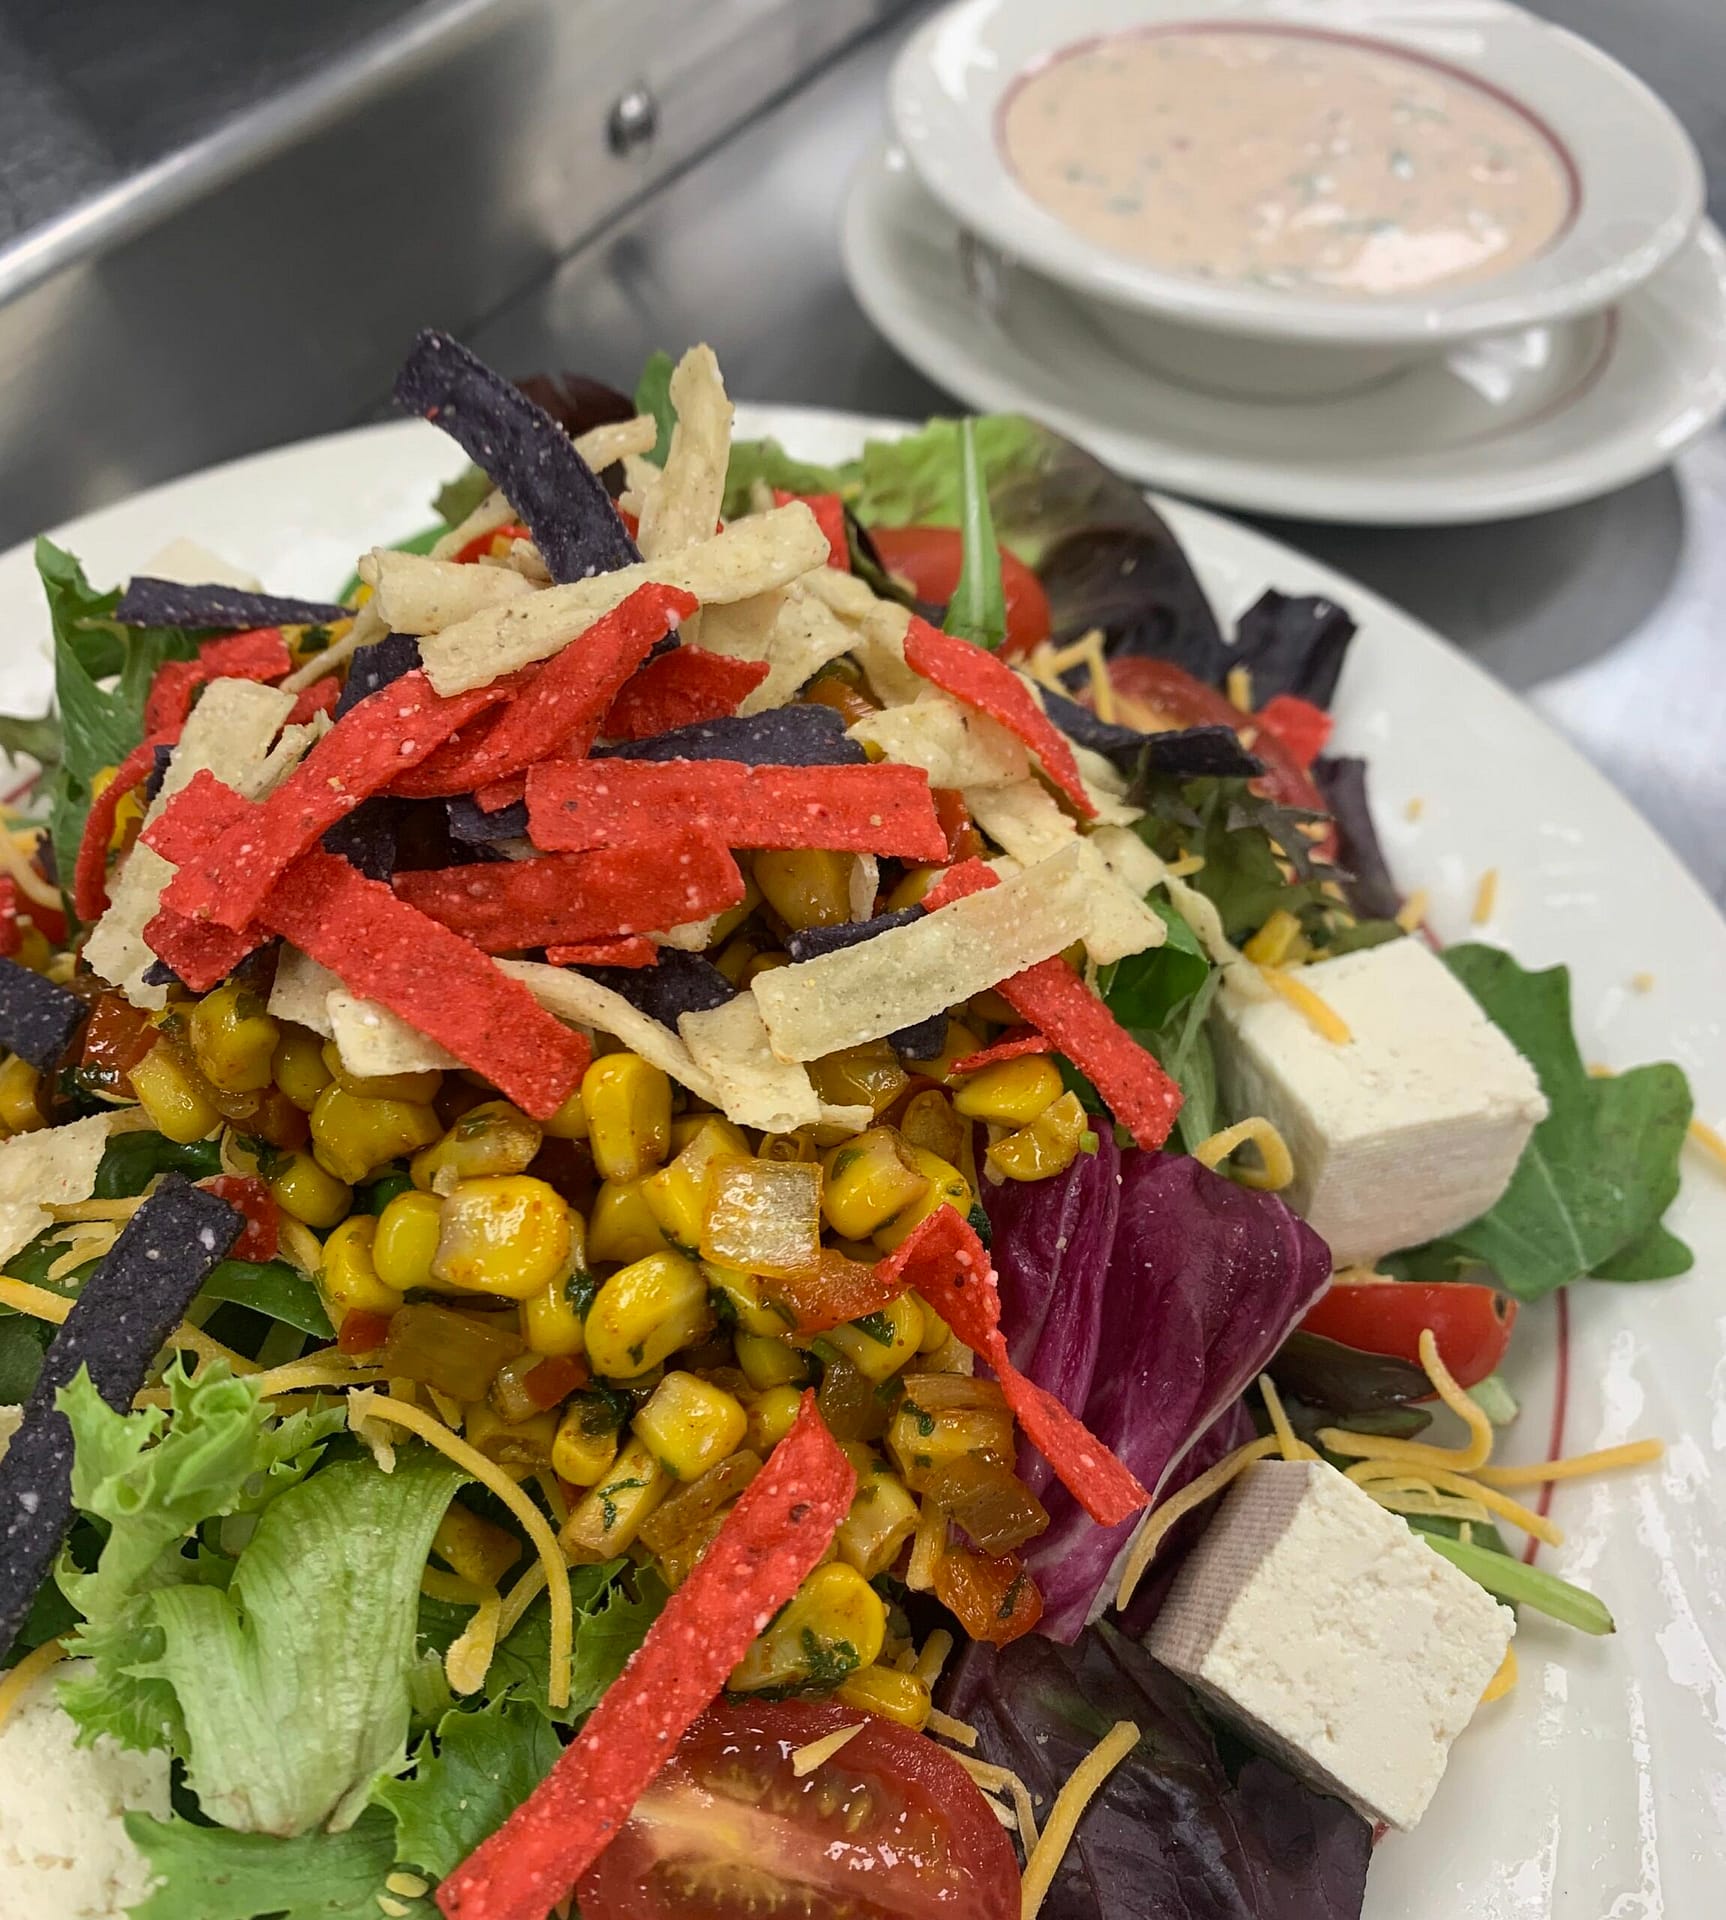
<point>1372,893</point>
<point>1131,578</point>
<point>1174,1834</point>
<point>1148,1325</point>
<point>1292,643</point>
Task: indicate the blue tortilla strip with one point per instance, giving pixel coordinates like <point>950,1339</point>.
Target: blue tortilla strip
<point>367,837</point>
<point>128,1307</point>
<point>158,773</point>
<point>921,1041</point>
<point>472,826</point>
<point>794,736</point>
<point>376,666</point>
<point>1189,753</point>
<point>524,452</point>
<point>678,983</point>
<point>1293,643</point>
<point>37,1018</point>
<point>149,602</point>
<point>159,974</point>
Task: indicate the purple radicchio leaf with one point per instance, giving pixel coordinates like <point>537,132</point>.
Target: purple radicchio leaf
<point>1147,1328</point>
<point>1372,893</point>
<point>1175,1833</point>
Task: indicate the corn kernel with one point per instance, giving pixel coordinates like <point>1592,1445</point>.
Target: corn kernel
<point>690,1425</point>
<point>475,1548</point>
<point>644,1313</point>
<point>882,1518</point>
<point>420,1088</point>
<point>771,1415</point>
<point>737,1297</point>
<point>936,1332</point>
<point>621,1226</point>
<point>927,1433</point>
<point>178,1104</point>
<point>869,1179</point>
<point>762,963</point>
<point>233,1038</point>
<point>313,1196</point>
<point>587,1440</point>
<point>929,1120</point>
<point>881,1343</point>
<point>727,923</point>
<point>913,884</point>
<point>735,956</point>
<point>768,1361</point>
<point>866,1076</point>
<point>19,1081</point>
<point>763,1216</point>
<point>607,1519</point>
<point>892,1695</point>
<point>832,1627</point>
<point>492,1138</point>
<point>677,1194</point>
<point>298,1066</point>
<point>352,1136</point>
<point>947,1187</point>
<point>627,1101</point>
<point>506,1234</point>
<point>348,1280</point>
<point>962,1041</point>
<point>806,887</point>
<point>1044,1148</point>
<point>512,1443</point>
<point>569,1122</point>
<point>551,1320</point>
<point>794,1147</point>
<point>1011,1092</point>
<point>407,1237</point>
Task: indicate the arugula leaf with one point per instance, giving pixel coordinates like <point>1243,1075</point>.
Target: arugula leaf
<point>208,1873</point>
<point>1249,845</point>
<point>606,1637</point>
<point>1146,989</point>
<point>1601,1168</point>
<point>522,1662</point>
<point>978,608</point>
<point>273,1288</point>
<point>653,395</point>
<point>130,1161</point>
<point>482,1767</point>
<point>37,740</point>
<point>23,1341</point>
<point>457,498</point>
<point>766,462</point>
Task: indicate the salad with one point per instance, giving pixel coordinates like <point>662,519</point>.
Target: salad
<point>742,1193</point>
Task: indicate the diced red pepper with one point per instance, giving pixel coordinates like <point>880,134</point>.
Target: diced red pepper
<point>362,1331</point>
<point>261,654</point>
<point>829,512</point>
<point>1302,728</point>
<point>554,1380</point>
<point>681,689</point>
<point>261,1235</point>
<point>90,873</point>
<point>485,543</point>
<point>964,842</point>
<point>771,1541</point>
<point>116,1037</point>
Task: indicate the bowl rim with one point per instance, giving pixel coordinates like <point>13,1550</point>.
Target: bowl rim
<point>952,79</point>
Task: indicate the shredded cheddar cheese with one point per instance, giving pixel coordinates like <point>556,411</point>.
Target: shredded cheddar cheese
<point>315,1371</point>
<point>15,1684</point>
<point>926,1545</point>
<point>195,1340</point>
<point>818,1752</point>
<point>1642,982</point>
<point>1633,1453</point>
<point>300,1244</point>
<point>1274,943</point>
<point>1712,1143</point>
<point>1278,1168</point>
<point>1503,1680</point>
<point>1194,1494</point>
<point>1293,1446</point>
<point>1412,913</point>
<point>993,1779</point>
<point>533,1522</point>
<point>98,1209</point>
<point>948,1728</point>
<point>38,1302</point>
<point>1240,688</point>
<point>1324,1018</point>
<point>1485,897</point>
<point>1365,1473</point>
<point>468,1661</point>
<point>520,1597</point>
<point>1415,808</point>
<point>1083,1784</point>
<point>29,882</point>
<point>933,1657</point>
<point>1417,1455</point>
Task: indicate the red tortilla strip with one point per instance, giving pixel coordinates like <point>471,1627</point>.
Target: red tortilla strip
<point>829,512</point>
<point>90,874</point>
<point>565,899</point>
<point>1052,998</point>
<point>260,655</point>
<point>680,689</point>
<point>370,746</point>
<point>1010,1046</point>
<point>197,816</point>
<point>200,952</point>
<point>628,950</point>
<point>320,697</point>
<point>559,709</point>
<point>948,1265</point>
<point>983,680</point>
<point>495,795</point>
<point>11,934</point>
<point>576,805</point>
<point>770,1543</point>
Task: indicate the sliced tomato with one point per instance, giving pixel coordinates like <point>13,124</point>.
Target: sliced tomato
<point>116,1037</point>
<point>1301,727</point>
<point>964,842</point>
<point>261,1234</point>
<point>888,1828</point>
<point>1471,1323</point>
<point>931,557</point>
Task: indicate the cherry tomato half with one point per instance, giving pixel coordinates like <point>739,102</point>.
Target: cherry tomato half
<point>1470,1323</point>
<point>930,558</point>
<point>889,1828</point>
<point>249,1197</point>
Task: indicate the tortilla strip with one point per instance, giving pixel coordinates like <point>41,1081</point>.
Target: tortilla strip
<point>906,974</point>
<point>683,508</point>
<point>750,557</point>
<point>792,629</point>
<point>955,747</point>
<point>493,511</point>
<point>756,1088</point>
<point>603,446</point>
<point>372,1040</point>
<point>55,1166</point>
<point>368,626</point>
<point>574,997</point>
<point>415,594</point>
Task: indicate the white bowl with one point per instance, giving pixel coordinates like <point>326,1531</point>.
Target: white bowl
<point>1637,183</point>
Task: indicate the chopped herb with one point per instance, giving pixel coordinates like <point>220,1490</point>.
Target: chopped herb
<point>878,1326</point>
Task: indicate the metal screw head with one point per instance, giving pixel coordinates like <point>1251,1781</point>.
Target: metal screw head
<point>633,120</point>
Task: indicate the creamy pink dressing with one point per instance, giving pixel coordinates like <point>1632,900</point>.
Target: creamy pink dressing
<point>1285,160</point>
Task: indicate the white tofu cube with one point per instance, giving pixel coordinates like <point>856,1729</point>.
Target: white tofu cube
<point>1334,1635</point>
<point>1407,1130</point>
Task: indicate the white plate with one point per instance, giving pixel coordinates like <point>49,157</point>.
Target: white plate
<point>1638,182</point>
<point>1497,428</point>
<point>1599,1787</point>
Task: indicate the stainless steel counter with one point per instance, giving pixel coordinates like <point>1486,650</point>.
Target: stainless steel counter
<point>1610,616</point>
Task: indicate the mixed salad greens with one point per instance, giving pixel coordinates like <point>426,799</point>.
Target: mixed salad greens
<point>511,1412</point>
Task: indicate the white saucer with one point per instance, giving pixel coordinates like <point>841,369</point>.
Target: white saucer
<point>1509,426</point>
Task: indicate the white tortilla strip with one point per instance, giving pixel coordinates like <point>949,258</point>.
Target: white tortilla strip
<point>1105,786</point>
<point>572,996</point>
<point>228,732</point>
<point>683,509</point>
<point>756,1088</point>
<point>368,626</point>
<point>191,565</point>
<point>1120,922</point>
<point>416,594</point>
<point>791,629</point>
<point>854,600</point>
<point>302,992</point>
<point>290,749</point>
<point>753,556</point>
<point>847,1119</point>
<point>863,886</point>
<point>371,1040</point>
<point>880,652</point>
<point>1023,820</point>
<point>1129,859</point>
<point>953,745</point>
<point>493,511</point>
<point>54,1167</point>
<point>694,936</point>
<point>604,446</point>
<point>907,974</point>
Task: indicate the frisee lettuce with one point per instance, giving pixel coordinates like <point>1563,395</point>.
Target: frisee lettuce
<point>467,1781</point>
<point>207,1873</point>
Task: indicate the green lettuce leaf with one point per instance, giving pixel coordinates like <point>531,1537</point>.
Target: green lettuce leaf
<point>130,1161</point>
<point>609,1634</point>
<point>978,608</point>
<point>23,1341</point>
<point>917,481</point>
<point>1248,844</point>
<point>609,1626</point>
<point>457,498</point>
<point>273,1288</point>
<point>208,1873</point>
<point>480,1768</point>
<point>653,395</point>
<point>766,463</point>
<point>1146,989</point>
<point>1601,1168</point>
